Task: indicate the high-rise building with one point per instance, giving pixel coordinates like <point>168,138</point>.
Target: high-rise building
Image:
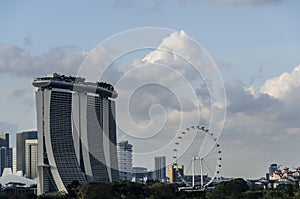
<point>125,160</point>
<point>6,160</point>
<point>10,158</point>
<point>20,150</point>
<point>14,160</point>
<point>76,132</point>
<point>175,172</point>
<point>160,168</point>
<point>4,140</point>
<point>3,158</point>
<point>31,154</point>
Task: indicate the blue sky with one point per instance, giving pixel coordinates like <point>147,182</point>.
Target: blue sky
<point>252,41</point>
<point>259,36</point>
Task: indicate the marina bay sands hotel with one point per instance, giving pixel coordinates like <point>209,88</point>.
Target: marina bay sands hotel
<point>76,132</point>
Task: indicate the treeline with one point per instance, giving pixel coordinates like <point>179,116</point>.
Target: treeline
<point>234,189</point>
<point>239,189</point>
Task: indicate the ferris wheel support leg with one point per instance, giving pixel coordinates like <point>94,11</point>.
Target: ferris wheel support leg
<point>193,172</point>
<point>201,171</point>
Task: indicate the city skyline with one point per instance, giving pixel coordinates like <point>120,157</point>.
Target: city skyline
<point>277,173</point>
<point>254,43</point>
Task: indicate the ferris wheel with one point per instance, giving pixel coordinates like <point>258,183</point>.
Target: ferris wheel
<point>197,157</point>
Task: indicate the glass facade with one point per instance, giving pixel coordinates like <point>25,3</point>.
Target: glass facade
<point>113,140</point>
<point>61,138</point>
<point>95,138</point>
<point>160,168</point>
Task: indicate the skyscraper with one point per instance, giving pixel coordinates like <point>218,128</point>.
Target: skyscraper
<point>125,160</point>
<point>14,161</point>
<point>160,168</point>
<point>10,158</point>
<point>5,160</point>
<point>76,132</point>
<point>20,148</point>
<point>31,154</point>
<point>4,140</point>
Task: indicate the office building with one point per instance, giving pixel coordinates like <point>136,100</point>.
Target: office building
<point>4,144</point>
<point>125,161</point>
<point>76,132</point>
<point>176,173</point>
<point>4,140</point>
<point>3,158</point>
<point>31,154</point>
<point>160,168</point>
<point>20,148</point>
<point>10,158</point>
<point>14,160</point>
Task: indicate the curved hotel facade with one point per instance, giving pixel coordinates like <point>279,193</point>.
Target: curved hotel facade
<point>76,132</point>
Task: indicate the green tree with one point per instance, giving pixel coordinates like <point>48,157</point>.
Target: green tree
<point>230,189</point>
<point>73,189</point>
<point>253,194</point>
<point>53,195</point>
<point>128,190</point>
<point>161,191</point>
<point>276,194</point>
<point>95,190</point>
<point>290,190</point>
<point>297,194</point>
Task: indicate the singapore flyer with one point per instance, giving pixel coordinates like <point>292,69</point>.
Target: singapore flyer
<point>194,167</point>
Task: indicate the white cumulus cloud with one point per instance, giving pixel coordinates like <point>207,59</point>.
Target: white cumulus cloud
<point>282,85</point>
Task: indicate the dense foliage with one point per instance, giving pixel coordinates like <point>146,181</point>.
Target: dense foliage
<point>234,189</point>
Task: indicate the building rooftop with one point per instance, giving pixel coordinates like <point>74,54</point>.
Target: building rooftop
<point>77,84</point>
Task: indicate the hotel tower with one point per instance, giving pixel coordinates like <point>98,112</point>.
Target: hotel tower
<point>76,132</point>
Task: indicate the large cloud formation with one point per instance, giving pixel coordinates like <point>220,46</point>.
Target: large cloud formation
<point>16,60</point>
<point>263,125</point>
<point>282,86</point>
<point>286,88</point>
